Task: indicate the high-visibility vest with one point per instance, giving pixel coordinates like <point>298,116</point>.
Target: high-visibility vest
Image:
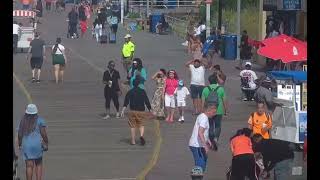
<point>127,49</point>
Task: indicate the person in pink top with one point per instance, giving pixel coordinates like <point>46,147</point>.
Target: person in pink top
<point>169,98</point>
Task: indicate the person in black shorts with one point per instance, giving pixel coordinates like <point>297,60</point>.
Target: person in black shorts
<point>37,50</point>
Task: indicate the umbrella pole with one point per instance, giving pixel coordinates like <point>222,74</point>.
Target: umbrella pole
<point>294,97</point>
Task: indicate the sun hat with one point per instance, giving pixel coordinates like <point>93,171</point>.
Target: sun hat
<point>248,63</point>
<point>31,109</point>
<point>127,36</point>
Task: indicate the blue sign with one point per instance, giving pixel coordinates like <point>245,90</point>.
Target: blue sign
<point>302,125</point>
<point>291,4</point>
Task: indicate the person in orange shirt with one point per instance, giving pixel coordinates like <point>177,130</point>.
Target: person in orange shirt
<point>260,122</point>
<point>243,161</point>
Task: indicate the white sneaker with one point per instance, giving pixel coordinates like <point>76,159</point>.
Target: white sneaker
<point>179,119</point>
<point>182,118</point>
<point>107,116</point>
<point>118,115</point>
<point>185,43</point>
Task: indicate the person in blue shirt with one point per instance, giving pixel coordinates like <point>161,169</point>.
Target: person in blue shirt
<point>208,49</point>
<point>137,69</point>
<point>32,141</point>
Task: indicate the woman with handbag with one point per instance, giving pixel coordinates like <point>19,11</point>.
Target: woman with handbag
<point>59,60</point>
<point>32,141</point>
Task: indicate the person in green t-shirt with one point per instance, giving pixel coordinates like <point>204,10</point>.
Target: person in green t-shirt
<point>215,122</point>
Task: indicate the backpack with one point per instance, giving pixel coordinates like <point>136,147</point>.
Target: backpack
<point>268,119</point>
<point>213,97</point>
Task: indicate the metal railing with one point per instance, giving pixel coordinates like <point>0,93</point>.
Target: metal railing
<point>163,3</point>
<point>141,6</point>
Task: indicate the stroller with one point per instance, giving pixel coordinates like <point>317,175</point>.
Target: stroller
<point>15,166</point>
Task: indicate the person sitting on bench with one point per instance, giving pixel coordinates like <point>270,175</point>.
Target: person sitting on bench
<point>248,85</point>
<point>162,25</point>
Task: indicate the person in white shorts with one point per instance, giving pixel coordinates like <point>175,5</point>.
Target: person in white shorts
<point>171,85</point>
<point>181,93</point>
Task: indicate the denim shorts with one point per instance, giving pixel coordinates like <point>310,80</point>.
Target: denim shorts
<point>196,91</point>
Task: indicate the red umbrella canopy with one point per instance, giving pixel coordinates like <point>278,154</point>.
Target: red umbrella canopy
<point>285,48</point>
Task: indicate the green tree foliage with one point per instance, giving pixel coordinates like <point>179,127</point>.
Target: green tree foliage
<point>232,4</point>
<point>228,6</point>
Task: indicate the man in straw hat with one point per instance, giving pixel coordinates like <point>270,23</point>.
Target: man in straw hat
<point>127,52</point>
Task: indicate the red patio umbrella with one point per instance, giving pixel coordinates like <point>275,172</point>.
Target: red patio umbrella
<point>285,48</point>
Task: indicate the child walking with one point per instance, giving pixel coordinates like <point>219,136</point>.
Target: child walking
<point>181,93</point>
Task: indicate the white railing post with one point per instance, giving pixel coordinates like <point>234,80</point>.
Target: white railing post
<point>122,10</point>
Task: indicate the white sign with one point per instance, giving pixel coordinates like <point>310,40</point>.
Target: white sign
<point>286,93</point>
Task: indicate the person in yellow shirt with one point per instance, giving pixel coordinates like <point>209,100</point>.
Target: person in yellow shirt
<point>127,52</point>
<point>260,122</point>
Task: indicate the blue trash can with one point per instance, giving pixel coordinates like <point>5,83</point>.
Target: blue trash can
<point>230,47</point>
<point>223,45</point>
<point>154,18</point>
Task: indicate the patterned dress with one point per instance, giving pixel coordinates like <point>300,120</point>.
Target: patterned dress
<point>157,104</point>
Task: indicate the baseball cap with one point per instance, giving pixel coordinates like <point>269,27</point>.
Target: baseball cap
<point>127,36</point>
<point>248,63</point>
<point>180,82</point>
<point>31,109</point>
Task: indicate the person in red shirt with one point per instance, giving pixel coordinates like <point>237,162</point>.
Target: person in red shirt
<point>243,161</point>
<point>171,85</point>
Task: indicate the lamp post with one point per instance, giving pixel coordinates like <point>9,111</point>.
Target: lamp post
<point>208,4</point>
<point>219,14</point>
<point>122,10</point>
<point>148,8</point>
<point>238,29</point>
